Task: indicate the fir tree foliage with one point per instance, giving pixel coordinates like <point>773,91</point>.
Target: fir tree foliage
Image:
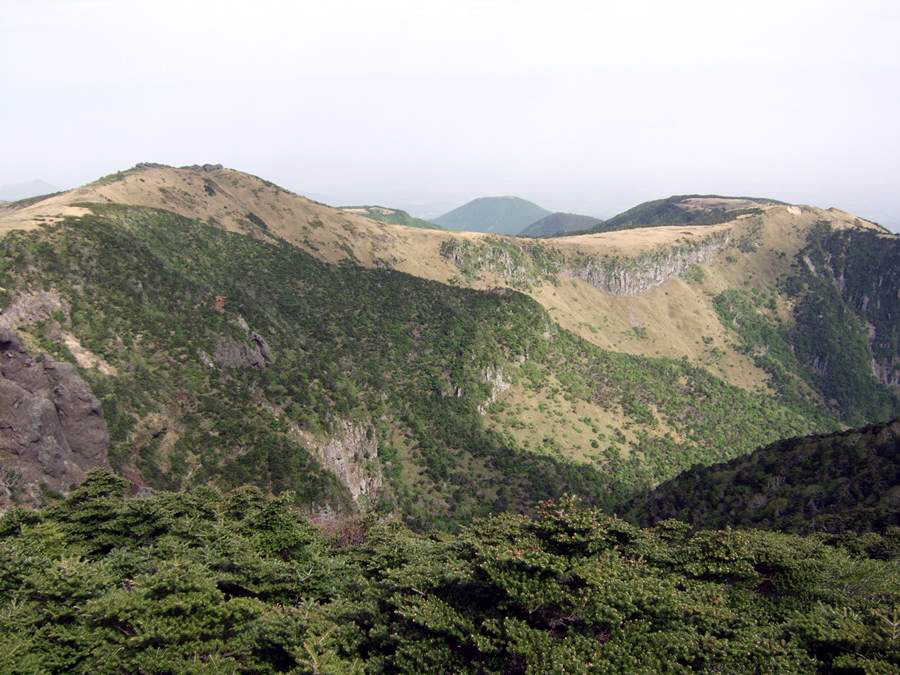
<point>205,581</point>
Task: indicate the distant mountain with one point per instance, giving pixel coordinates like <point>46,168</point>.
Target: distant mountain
<point>560,223</point>
<point>685,210</point>
<point>32,188</point>
<point>384,214</point>
<point>500,215</point>
<point>838,482</point>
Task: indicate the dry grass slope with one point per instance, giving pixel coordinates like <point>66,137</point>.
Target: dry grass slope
<point>675,319</point>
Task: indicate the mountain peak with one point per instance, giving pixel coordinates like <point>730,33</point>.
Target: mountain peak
<point>499,215</point>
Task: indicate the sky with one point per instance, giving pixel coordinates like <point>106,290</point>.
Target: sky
<point>589,107</point>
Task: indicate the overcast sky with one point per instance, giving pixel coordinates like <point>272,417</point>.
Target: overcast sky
<point>580,106</point>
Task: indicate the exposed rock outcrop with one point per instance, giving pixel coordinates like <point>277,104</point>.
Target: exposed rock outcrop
<point>524,263</point>
<point>233,354</point>
<point>494,377</point>
<point>352,454</point>
<point>51,426</point>
<point>30,308</point>
<point>635,276</point>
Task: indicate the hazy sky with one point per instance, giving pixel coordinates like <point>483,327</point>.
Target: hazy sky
<point>579,106</point>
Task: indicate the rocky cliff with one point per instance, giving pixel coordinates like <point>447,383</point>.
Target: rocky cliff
<point>351,454</point>
<point>637,275</point>
<point>51,426</point>
<point>523,264</point>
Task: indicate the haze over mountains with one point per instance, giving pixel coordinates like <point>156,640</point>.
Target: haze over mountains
<point>13,191</point>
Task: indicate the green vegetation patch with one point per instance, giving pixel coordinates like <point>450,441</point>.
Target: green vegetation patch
<point>393,216</point>
<point>843,482</point>
<point>237,582</point>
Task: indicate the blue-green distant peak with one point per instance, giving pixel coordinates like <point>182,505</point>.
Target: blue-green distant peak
<point>500,215</point>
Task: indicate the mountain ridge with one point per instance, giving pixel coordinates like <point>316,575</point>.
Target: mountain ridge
<point>629,330</point>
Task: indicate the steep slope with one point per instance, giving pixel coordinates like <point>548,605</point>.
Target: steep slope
<point>384,214</point>
<point>849,481</point>
<point>559,223</point>
<point>498,215</point>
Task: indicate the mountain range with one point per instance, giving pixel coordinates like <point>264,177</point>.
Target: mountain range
<point>244,431</point>
<point>203,309</point>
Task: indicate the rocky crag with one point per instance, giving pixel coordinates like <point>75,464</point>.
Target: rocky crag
<point>51,426</point>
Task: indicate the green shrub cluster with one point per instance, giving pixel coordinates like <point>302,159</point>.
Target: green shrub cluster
<point>237,582</point>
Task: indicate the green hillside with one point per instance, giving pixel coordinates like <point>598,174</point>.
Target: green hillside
<point>848,481</point>
<point>559,223</point>
<point>672,211</point>
<point>398,369</point>
<point>384,214</point>
<point>208,582</point>
<point>500,215</point>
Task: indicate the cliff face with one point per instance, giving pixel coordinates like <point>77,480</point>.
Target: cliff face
<point>525,263</point>
<point>634,276</point>
<point>848,288</point>
<point>51,426</point>
<point>493,376</point>
<point>351,454</point>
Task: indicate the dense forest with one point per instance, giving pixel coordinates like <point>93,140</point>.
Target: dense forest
<point>833,483</point>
